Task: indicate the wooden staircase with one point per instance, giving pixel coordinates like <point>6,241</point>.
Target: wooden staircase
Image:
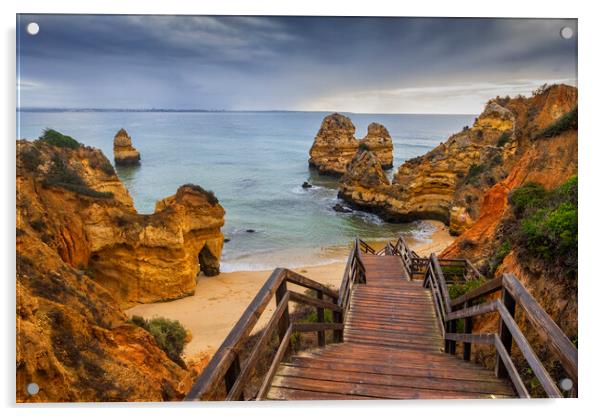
<point>392,349</point>
<point>394,337</point>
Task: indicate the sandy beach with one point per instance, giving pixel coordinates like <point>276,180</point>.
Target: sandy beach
<point>219,301</point>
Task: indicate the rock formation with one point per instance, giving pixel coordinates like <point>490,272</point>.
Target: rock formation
<point>123,151</point>
<point>334,145</point>
<point>89,219</point>
<point>379,142</point>
<point>364,175</point>
<point>450,182</point>
<point>82,253</point>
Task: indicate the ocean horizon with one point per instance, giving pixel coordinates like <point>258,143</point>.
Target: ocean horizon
<point>255,162</point>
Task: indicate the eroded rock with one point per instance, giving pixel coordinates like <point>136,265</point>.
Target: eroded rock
<point>334,146</point>
<point>82,251</point>
<point>123,150</point>
<point>452,179</point>
<point>379,142</point>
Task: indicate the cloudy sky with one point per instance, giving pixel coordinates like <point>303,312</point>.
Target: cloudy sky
<point>380,65</point>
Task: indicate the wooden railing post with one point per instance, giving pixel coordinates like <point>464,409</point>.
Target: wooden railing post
<point>320,313</point>
<point>232,375</point>
<point>467,330</point>
<point>505,334</point>
<point>284,322</point>
<point>337,335</point>
<point>452,343</point>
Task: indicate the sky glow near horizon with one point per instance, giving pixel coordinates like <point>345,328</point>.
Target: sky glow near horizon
<point>347,64</point>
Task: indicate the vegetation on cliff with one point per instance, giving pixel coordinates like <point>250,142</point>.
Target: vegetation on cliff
<point>568,121</point>
<point>55,138</point>
<point>83,252</point>
<point>543,227</point>
<point>450,182</point>
<point>169,335</point>
<point>61,175</point>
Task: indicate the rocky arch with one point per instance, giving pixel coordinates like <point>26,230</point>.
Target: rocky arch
<point>208,262</point>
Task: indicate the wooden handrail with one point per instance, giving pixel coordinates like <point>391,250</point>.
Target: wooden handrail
<point>544,325</point>
<point>225,367</point>
<point>513,294</point>
<point>228,352</point>
<point>365,247</point>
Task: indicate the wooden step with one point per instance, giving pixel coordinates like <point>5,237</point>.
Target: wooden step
<point>392,349</point>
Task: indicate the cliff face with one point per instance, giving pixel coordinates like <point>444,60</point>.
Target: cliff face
<point>450,182</point>
<point>81,250</point>
<point>84,213</point>
<point>123,150</point>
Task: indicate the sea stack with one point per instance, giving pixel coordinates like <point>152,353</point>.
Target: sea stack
<point>362,184</point>
<point>334,145</point>
<point>379,142</point>
<point>123,151</point>
<point>470,175</point>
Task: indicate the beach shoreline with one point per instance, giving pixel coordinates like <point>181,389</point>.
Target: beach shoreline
<point>219,301</point>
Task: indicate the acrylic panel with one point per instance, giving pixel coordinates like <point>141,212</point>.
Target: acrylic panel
<point>295,208</point>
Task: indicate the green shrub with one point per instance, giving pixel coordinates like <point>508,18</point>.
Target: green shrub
<point>169,335</point>
<point>502,251</point>
<point>364,147</point>
<point>547,225</point>
<point>503,139</point>
<point>57,139</point>
<point>473,173</point>
<point>529,195</point>
<point>567,121</point>
<point>550,231</point>
<point>458,289</point>
<point>313,316</point>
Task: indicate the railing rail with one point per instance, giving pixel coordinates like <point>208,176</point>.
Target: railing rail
<point>513,294</point>
<point>226,369</point>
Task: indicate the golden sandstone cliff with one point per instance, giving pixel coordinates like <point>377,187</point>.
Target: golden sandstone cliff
<point>468,182</point>
<point>335,145</point>
<point>83,253</point>
<point>123,150</point>
<point>450,182</point>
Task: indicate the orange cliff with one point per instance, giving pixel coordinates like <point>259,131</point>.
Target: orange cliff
<point>83,253</point>
<point>466,182</point>
<point>450,182</point>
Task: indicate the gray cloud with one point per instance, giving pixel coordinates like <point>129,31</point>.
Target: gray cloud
<point>303,63</point>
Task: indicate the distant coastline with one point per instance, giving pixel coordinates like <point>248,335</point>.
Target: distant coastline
<point>200,110</point>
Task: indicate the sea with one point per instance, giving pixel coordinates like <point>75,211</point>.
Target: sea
<point>255,163</point>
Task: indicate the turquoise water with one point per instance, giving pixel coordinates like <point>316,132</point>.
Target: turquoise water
<point>255,162</point>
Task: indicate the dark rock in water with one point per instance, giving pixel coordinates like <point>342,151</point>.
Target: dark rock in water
<point>250,230</point>
<point>342,208</point>
<point>306,185</point>
<point>226,240</point>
